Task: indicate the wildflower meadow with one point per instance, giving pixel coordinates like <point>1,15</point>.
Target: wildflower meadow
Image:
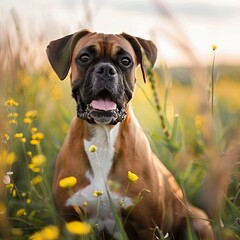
<point>192,123</point>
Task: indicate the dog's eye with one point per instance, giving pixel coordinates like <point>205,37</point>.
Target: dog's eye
<point>126,61</point>
<point>84,58</point>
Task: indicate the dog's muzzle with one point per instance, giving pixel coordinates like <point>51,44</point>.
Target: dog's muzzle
<point>107,117</point>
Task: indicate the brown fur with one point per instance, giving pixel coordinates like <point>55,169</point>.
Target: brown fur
<point>164,207</point>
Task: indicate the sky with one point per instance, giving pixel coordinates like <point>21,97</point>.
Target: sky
<point>198,24</point>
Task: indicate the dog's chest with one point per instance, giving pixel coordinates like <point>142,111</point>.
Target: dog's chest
<point>96,195</point>
<point>102,159</point>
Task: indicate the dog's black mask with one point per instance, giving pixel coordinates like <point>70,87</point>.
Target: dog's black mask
<point>103,91</point>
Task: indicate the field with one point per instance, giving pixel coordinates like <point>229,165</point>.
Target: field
<point>199,143</point>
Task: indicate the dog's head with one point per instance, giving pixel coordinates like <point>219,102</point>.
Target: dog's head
<point>102,71</point>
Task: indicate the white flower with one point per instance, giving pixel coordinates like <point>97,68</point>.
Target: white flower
<point>6,179</point>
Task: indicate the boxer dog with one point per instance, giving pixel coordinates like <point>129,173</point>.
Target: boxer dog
<point>103,82</point>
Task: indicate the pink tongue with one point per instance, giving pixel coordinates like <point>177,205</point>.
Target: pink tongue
<point>103,104</point>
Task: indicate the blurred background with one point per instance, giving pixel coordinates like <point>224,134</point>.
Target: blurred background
<point>193,124</point>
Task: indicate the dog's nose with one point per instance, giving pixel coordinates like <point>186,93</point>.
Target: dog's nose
<point>105,70</point>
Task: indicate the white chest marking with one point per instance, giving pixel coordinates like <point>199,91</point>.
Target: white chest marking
<point>101,163</point>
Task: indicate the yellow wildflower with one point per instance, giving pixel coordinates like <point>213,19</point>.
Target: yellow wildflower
<point>214,47</point>
<point>68,182</point>
<point>31,114</point>
<point>47,233</point>
<point>11,103</point>
<point>21,212</point>
<point>23,140</point>
<point>11,158</point>
<point>34,142</point>
<point>36,180</point>
<point>14,193</point>
<point>12,122</point>
<point>18,135</point>
<point>38,136</point>
<point>34,129</point>
<point>79,228</point>
<point>97,193</point>
<point>132,177</point>
<point>38,160</point>
<point>12,115</point>
<point>27,120</point>
<point>33,168</point>
<point>29,153</point>
<point>10,186</point>
<point>28,201</point>
<point>7,157</point>
<point>92,148</point>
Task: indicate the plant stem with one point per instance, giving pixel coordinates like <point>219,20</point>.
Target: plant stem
<point>157,104</point>
<point>212,82</point>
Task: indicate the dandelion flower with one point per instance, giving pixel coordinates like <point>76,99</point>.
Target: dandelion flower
<point>132,177</point>
<point>21,212</point>
<point>68,182</point>
<point>47,233</point>
<point>92,148</point>
<point>79,228</point>
<point>97,193</point>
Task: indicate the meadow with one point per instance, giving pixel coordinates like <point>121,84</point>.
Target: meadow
<point>195,137</point>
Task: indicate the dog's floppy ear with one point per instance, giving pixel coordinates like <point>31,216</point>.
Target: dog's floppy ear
<point>59,52</point>
<point>142,47</point>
